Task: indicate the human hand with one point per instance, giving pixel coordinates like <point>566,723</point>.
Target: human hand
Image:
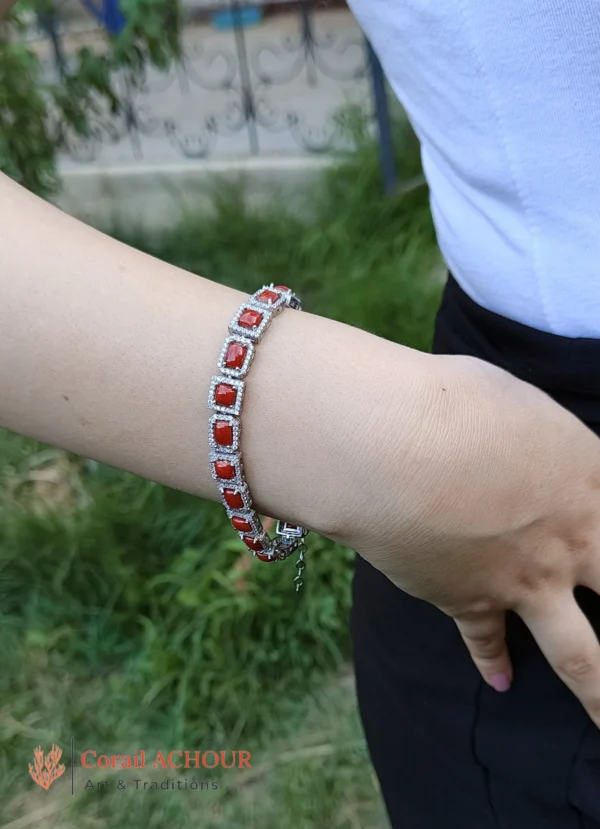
<point>490,501</point>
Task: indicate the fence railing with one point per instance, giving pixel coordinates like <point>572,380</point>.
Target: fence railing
<point>283,84</point>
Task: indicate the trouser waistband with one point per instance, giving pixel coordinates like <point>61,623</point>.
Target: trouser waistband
<point>567,368</point>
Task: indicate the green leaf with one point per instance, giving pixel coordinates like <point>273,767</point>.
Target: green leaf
<point>37,119</point>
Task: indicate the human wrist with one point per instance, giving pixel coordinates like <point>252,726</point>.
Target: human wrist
<point>322,402</point>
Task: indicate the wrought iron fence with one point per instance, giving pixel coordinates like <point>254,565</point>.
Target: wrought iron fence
<point>243,90</point>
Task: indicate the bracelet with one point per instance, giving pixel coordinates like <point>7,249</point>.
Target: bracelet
<point>225,398</point>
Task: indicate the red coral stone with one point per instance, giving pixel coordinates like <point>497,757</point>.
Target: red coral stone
<point>240,524</point>
<point>250,318</point>
<point>225,395</point>
<point>265,557</point>
<point>233,499</point>
<point>268,296</point>
<point>283,288</point>
<point>236,354</point>
<point>224,469</point>
<point>253,543</point>
<point>223,433</point>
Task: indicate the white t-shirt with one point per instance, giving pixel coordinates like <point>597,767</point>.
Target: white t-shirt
<point>505,98</point>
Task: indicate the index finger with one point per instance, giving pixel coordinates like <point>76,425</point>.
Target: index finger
<point>569,643</point>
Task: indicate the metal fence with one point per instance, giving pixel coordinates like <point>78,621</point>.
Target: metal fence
<point>239,90</point>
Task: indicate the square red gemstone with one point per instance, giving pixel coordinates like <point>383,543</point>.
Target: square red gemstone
<point>225,395</point>
<point>224,469</point>
<point>223,433</point>
<point>236,354</point>
<point>233,499</point>
<point>268,296</point>
<point>265,557</point>
<point>250,318</point>
<point>252,543</point>
<point>240,524</point>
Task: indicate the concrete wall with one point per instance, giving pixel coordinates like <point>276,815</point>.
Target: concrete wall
<point>148,180</point>
<point>155,198</point>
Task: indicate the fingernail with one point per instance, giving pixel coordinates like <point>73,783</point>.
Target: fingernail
<point>500,682</point>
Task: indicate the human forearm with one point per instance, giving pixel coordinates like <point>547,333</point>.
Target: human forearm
<point>109,353</point>
<point>465,486</point>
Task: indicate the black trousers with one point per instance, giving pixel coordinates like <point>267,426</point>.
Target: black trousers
<point>449,752</point>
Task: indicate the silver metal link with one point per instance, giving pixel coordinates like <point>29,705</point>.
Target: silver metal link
<point>289,538</point>
<point>284,547</point>
<point>300,567</point>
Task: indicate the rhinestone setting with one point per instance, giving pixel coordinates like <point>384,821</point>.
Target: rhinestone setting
<point>236,428</point>
<point>225,457</point>
<point>239,397</point>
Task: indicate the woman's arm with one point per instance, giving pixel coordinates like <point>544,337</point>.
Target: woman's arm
<point>109,352</point>
<point>465,486</point>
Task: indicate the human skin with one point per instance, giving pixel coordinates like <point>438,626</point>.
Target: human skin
<point>466,486</point>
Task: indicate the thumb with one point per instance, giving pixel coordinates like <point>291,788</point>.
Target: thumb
<point>484,637</point>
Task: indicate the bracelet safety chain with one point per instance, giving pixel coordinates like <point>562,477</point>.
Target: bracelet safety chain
<point>225,398</point>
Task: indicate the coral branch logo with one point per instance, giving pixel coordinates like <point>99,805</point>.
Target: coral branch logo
<point>46,768</point>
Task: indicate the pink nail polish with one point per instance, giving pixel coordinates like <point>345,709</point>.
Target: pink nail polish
<point>500,682</point>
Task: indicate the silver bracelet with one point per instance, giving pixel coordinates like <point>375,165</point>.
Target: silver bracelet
<point>225,398</point>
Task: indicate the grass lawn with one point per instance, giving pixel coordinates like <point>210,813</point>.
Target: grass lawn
<point>131,616</point>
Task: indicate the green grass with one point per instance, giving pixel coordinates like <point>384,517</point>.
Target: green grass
<point>361,258</point>
<point>130,617</point>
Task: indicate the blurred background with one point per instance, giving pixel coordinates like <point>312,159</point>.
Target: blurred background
<point>248,143</point>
